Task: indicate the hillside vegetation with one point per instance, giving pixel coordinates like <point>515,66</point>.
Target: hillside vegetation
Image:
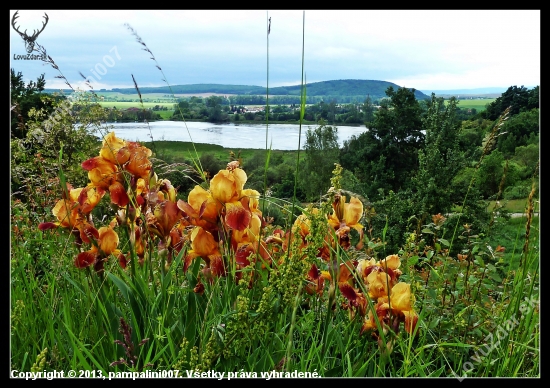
<point>339,90</point>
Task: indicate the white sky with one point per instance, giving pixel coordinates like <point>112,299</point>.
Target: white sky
<point>422,49</point>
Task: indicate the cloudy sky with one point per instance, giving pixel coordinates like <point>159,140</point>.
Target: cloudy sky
<point>422,49</point>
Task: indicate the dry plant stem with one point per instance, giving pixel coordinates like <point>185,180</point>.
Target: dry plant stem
<point>144,118</point>
<point>529,214</point>
<point>291,330</point>
<point>500,188</point>
<point>164,79</point>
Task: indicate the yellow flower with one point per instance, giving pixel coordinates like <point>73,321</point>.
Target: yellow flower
<point>164,217</point>
<point>105,175</point>
<point>438,219</point>
<point>111,146</point>
<point>401,297</point>
<point>204,245</point>
<point>378,282</point>
<point>201,209</point>
<point>70,213</point>
<point>134,158</point>
<point>379,275</point>
<point>346,216</point>
<point>390,262</point>
<point>107,243</point>
<point>108,240</point>
<point>226,186</point>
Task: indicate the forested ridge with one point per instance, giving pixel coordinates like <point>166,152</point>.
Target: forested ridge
<point>330,89</point>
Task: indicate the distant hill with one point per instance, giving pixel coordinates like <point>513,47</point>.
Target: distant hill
<point>337,89</point>
<point>347,87</point>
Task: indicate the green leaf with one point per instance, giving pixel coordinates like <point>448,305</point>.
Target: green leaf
<point>479,261</point>
<point>444,242</point>
<point>427,231</point>
<point>413,260</point>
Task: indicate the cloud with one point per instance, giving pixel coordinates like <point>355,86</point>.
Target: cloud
<point>422,48</point>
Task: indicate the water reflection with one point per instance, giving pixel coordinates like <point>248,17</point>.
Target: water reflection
<point>279,136</point>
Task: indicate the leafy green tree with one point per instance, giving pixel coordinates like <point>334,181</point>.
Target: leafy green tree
<point>440,159</point>
<point>214,111</point>
<point>27,96</point>
<point>321,149</point>
<point>527,156</point>
<point>490,174</point>
<point>393,219</point>
<point>533,100</point>
<point>368,111</point>
<point>519,99</point>
<point>386,155</point>
<point>352,117</point>
<point>285,188</point>
<point>519,130</point>
<point>210,164</point>
<point>37,159</point>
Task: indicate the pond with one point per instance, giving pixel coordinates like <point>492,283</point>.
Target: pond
<point>279,136</point>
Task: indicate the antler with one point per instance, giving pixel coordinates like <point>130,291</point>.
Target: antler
<point>24,34</point>
<point>15,16</point>
<point>36,33</point>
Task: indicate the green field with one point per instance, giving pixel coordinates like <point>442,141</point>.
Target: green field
<point>165,114</point>
<point>181,151</point>
<point>131,104</point>
<point>134,96</point>
<point>514,205</point>
<point>478,104</point>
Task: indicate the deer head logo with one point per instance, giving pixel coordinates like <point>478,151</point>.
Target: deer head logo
<point>29,40</point>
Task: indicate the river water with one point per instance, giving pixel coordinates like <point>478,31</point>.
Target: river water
<point>279,136</point>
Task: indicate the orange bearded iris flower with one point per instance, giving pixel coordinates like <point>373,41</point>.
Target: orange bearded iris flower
<point>344,217</point>
<point>89,198</point>
<point>105,175</point>
<point>316,280</point>
<point>399,305</point>
<point>134,158</point>
<point>302,226</point>
<point>73,212</point>
<point>226,185</point>
<point>246,244</point>
<point>346,282</point>
<point>204,245</point>
<point>164,217</point>
<point>108,240</point>
<point>107,243</point>
<point>201,209</point>
<point>111,146</point>
<point>380,276</point>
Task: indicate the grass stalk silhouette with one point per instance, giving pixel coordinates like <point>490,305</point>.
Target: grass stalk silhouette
<point>195,159</point>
